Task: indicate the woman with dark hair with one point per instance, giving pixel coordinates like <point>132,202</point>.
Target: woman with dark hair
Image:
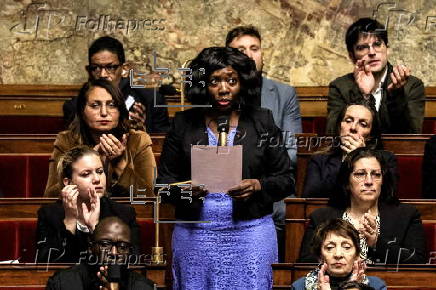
<point>101,122</point>
<point>64,227</point>
<point>357,126</point>
<point>390,232</point>
<point>236,248</point>
<point>336,245</point>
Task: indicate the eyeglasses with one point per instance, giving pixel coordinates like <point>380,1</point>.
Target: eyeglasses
<point>107,245</point>
<point>110,68</point>
<point>365,48</point>
<point>361,175</point>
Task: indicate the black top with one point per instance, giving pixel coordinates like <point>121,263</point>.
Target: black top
<point>156,121</point>
<point>83,277</point>
<point>401,237</point>
<point>56,244</point>
<point>262,159</point>
<point>323,169</point>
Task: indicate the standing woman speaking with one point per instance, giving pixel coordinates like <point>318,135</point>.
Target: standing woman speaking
<point>236,248</point>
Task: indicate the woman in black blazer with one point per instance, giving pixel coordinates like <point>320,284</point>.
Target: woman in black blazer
<point>390,232</point>
<point>357,126</point>
<point>64,227</point>
<point>236,248</point>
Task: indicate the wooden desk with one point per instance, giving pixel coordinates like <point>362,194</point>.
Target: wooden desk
<point>403,276</point>
<point>37,274</point>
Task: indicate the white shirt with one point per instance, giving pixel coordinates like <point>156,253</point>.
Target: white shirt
<point>378,91</point>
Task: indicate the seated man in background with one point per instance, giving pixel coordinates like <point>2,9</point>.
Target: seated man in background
<point>398,97</point>
<point>282,100</point>
<point>106,60</point>
<point>106,265</point>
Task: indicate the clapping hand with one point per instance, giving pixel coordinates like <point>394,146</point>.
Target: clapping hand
<point>369,229</point>
<point>110,147</point>
<point>69,196</point>
<point>323,278</point>
<point>138,113</point>
<point>399,77</point>
<point>91,215</point>
<point>364,77</point>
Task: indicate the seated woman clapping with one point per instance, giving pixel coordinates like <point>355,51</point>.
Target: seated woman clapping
<point>64,227</point>
<point>102,123</point>
<point>336,245</point>
<point>390,232</point>
<point>357,126</point>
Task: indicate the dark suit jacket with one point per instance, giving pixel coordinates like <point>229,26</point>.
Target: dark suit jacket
<point>262,159</point>
<point>401,111</point>
<point>83,277</point>
<point>323,169</point>
<point>401,237</point>
<point>156,121</point>
<point>429,169</point>
<point>56,244</point>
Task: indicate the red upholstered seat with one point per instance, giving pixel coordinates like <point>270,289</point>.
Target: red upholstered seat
<point>18,240</point>
<point>25,246</point>
<point>38,173</point>
<point>147,235</point>
<point>23,175</point>
<point>430,234</point>
<point>13,172</point>
<point>22,288</point>
<point>410,171</point>
<point>31,125</point>
<point>9,234</point>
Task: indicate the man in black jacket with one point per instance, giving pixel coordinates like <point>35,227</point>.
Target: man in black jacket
<point>106,262</point>
<point>106,60</point>
<point>398,96</point>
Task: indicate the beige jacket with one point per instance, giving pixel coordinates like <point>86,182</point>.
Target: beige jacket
<point>139,172</point>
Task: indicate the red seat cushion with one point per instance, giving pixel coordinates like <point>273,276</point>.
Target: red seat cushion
<point>9,232</point>
<point>38,173</point>
<point>13,172</point>
<point>410,171</point>
<point>147,235</point>
<point>27,239</point>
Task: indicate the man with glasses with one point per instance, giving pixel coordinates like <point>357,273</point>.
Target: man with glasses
<point>106,262</point>
<point>106,61</point>
<point>398,96</point>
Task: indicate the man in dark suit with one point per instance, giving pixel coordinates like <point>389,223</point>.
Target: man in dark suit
<point>106,262</point>
<point>106,60</point>
<point>398,96</point>
<point>281,99</point>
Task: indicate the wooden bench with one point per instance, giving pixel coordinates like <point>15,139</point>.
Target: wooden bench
<point>18,217</point>
<point>41,106</point>
<point>36,275</point>
<point>298,211</point>
<point>412,276</point>
<point>408,148</point>
<point>24,162</point>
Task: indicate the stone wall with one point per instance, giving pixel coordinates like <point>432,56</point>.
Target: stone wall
<point>45,42</point>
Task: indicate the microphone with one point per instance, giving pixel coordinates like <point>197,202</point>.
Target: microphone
<point>223,130</point>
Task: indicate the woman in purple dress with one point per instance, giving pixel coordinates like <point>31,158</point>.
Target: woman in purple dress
<point>237,246</point>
